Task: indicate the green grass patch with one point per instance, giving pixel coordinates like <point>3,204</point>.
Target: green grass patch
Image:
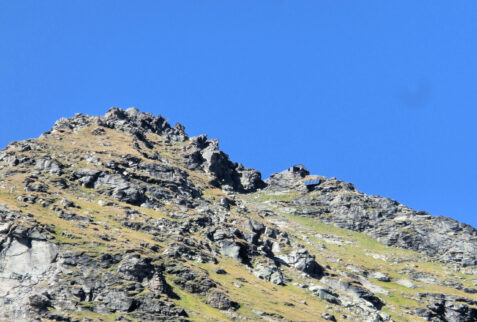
<point>195,306</point>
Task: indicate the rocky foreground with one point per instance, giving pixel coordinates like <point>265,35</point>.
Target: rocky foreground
<point>124,217</point>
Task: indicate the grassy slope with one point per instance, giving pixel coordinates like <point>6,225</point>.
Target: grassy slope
<point>362,252</point>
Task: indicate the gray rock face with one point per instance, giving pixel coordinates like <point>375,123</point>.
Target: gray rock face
<point>39,302</point>
<point>221,301</point>
<point>301,260</point>
<point>206,155</point>
<point>30,264</point>
<point>355,290</point>
<point>137,189</point>
<point>132,121</point>
<point>26,259</point>
<point>269,273</point>
<point>48,165</point>
<point>339,203</point>
<point>441,307</point>
<point>24,252</point>
<point>230,249</point>
<point>329,296</point>
<point>288,179</point>
<point>129,121</point>
<point>26,256</point>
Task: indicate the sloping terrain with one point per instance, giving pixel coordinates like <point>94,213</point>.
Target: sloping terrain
<point>123,217</point>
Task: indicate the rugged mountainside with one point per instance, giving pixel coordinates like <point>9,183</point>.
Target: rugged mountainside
<point>123,217</point>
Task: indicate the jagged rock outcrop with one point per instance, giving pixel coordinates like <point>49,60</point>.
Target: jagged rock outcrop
<point>340,204</point>
<point>206,155</point>
<point>31,262</point>
<point>269,272</point>
<point>442,307</point>
<point>130,121</point>
<point>288,179</point>
<point>301,260</point>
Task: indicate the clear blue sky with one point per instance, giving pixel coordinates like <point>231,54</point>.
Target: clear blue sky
<point>379,93</point>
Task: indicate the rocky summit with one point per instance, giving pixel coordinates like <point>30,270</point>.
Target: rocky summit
<point>124,217</point>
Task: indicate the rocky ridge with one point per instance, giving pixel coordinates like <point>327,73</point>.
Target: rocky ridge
<point>124,217</point>
<point>339,203</point>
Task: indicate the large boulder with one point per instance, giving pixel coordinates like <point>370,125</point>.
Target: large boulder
<point>230,249</point>
<point>301,260</point>
<point>269,273</point>
<point>290,178</point>
<point>220,301</point>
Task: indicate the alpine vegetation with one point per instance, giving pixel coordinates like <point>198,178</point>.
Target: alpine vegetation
<point>124,217</point>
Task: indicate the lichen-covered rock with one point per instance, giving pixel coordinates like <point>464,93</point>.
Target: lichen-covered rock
<point>231,249</point>
<point>221,301</point>
<point>301,260</point>
<point>269,273</point>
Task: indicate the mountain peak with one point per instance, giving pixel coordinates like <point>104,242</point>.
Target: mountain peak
<point>123,217</point>
<point>130,121</point>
